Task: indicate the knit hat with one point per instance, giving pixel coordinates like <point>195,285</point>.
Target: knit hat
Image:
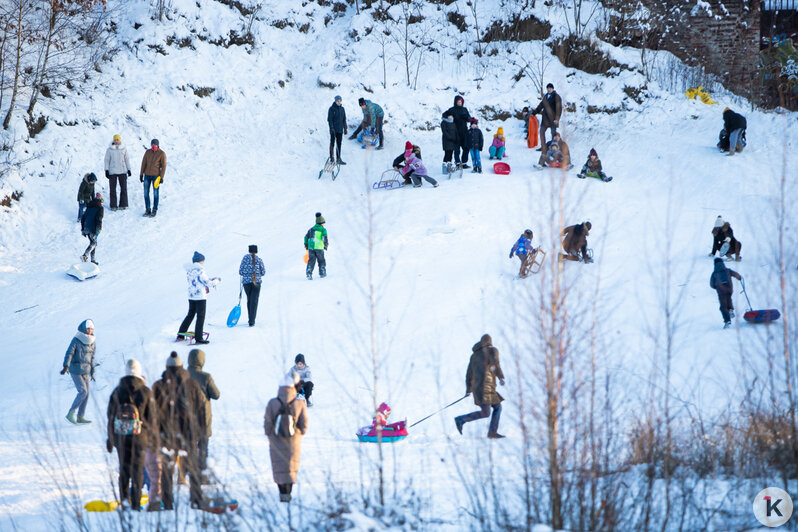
<point>727,109</point>
<point>320,219</point>
<point>361,101</point>
<point>90,177</point>
<point>338,98</point>
<point>718,259</point>
<point>719,222</point>
<point>198,257</point>
<point>486,340</point>
<point>474,120</point>
<point>174,361</point>
<point>253,248</point>
<point>549,86</point>
<point>593,152</point>
<point>133,368</point>
<point>384,409</point>
<point>500,131</point>
<point>117,137</point>
<point>154,142</point>
<point>299,358</point>
<point>99,196</point>
<point>408,146</point>
<point>528,233</point>
<point>589,225</point>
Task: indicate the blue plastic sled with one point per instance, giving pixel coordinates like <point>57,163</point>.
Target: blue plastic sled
<point>368,136</point>
<point>235,314</point>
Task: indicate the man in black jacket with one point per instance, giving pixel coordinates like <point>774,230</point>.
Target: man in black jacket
<point>132,428</point>
<point>461,118</point>
<point>91,224</point>
<point>550,109</point>
<point>734,124</point>
<point>336,119</point>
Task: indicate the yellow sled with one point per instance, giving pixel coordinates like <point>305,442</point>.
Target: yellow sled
<point>108,506</point>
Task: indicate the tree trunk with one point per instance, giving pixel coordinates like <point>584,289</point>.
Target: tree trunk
<point>34,97</point>
<point>14,91</point>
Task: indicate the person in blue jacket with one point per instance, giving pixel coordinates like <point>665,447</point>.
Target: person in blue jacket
<point>523,246</point>
<point>79,363</point>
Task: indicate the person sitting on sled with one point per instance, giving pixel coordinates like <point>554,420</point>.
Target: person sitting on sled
<point>553,156</point>
<point>593,167</point>
<point>399,162</point>
<point>523,246</point>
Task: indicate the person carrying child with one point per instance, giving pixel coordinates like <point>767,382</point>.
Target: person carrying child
<point>496,150</point>
<point>305,384</point>
<point>592,167</point>
<point>474,143</point>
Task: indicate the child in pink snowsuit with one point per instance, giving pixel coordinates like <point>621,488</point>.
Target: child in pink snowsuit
<point>496,150</point>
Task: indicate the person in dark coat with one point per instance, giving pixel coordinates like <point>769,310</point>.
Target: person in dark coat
<point>181,422</point>
<point>196,360</point>
<point>721,282</point>
<point>90,226</point>
<point>734,124</point>
<point>399,162</point>
<point>450,142</point>
<point>721,234</point>
<point>550,109</point>
<point>483,370</point>
<point>85,193</point>
<point>461,118</point>
<point>474,143</point>
<point>131,437</point>
<point>252,271</point>
<point>336,119</point>
<point>574,242</point>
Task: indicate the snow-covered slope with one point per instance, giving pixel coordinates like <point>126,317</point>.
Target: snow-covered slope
<point>242,169</point>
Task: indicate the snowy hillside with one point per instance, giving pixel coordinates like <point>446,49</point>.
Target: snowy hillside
<point>244,129</point>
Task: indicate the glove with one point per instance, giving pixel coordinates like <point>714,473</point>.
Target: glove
<point>107,175</point>
<point>162,180</point>
<point>346,132</point>
<point>501,381</point>
<point>109,445</point>
<point>511,255</point>
<point>64,371</point>
<point>141,178</point>
<point>128,173</point>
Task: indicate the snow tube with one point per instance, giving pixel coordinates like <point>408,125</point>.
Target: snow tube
<point>501,168</point>
<point>83,270</point>
<point>390,433</point>
<point>761,316</point>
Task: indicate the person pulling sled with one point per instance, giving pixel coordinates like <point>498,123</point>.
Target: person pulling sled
<point>721,282</point>
<point>483,370</point>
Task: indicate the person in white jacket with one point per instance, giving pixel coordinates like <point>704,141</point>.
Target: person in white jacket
<point>117,168</point>
<point>199,284</point>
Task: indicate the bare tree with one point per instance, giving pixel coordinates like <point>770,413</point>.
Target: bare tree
<point>15,23</point>
<point>412,38</point>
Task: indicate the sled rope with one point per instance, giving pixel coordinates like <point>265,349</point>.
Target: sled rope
<point>439,411</point>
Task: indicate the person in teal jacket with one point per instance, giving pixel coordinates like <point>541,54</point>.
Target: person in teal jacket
<point>316,244</point>
<point>373,115</point>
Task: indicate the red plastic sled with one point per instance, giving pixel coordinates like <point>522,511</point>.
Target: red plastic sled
<point>501,168</point>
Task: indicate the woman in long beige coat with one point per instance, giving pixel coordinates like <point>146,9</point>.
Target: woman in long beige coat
<point>284,451</point>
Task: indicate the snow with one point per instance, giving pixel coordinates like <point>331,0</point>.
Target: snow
<point>242,169</point>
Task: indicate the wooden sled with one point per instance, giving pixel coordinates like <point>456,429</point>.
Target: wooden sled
<point>532,263</point>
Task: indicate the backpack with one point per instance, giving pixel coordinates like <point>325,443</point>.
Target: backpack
<point>127,421</point>
<point>284,421</point>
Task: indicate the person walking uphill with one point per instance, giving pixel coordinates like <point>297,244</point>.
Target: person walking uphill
<point>316,244</point>
<point>132,428</point>
<point>199,284</point>
<point>461,119</point>
<point>117,169</point>
<point>252,271</point>
<point>721,282</point>
<point>181,423</point>
<point>285,422</point>
<point>79,363</point>
<point>153,166</point>
<point>550,109</point>
<point>336,119</point>
<point>483,370</point>
<point>85,193</point>
<point>90,226</point>
<point>196,360</point>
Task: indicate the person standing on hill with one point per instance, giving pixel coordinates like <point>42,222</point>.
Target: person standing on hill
<point>316,244</point>
<point>199,284</point>
<point>153,166</point>
<point>474,143</point>
<point>132,428</point>
<point>550,109</point>
<point>461,119</point>
<point>449,142</point>
<point>90,225</point>
<point>196,360</point>
<point>336,119</point>
<point>252,271</point>
<point>79,363</point>
<point>721,282</point>
<point>483,370</point>
<point>117,169</point>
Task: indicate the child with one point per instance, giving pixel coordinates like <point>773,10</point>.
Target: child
<point>396,430</point>
<point>85,193</point>
<point>91,224</point>
<point>592,167</point>
<point>449,141</point>
<point>316,244</point>
<point>305,386</point>
<point>415,170</point>
<point>553,156</point>
<point>496,150</point>
<point>525,118</point>
<point>523,247</point>
<point>474,142</point>
<point>723,234</point>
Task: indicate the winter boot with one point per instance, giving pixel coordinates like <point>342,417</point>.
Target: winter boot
<point>147,213</point>
<point>341,162</point>
<point>201,341</point>
<point>731,312</point>
<point>84,258</point>
<point>380,147</point>
<point>285,497</point>
<point>95,262</point>
<point>464,166</point>
<point>353,136</point>
<point>309,276</point>
<point>83,421</point>
<point>495,436</point>
<point>458,422</point>
<point>580,175</point>
<point>322,272</point>
<point>726,325</point>
<point>444,168</point>
<point>71,417</point>
<point>154,212</point>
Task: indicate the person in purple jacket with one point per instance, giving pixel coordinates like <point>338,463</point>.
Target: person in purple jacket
<point>415,170</point>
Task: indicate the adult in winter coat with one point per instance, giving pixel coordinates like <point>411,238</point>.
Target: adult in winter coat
<point>336,119</point>
<point>461,118</point>
<point>474,144</point>
<point>79,363</point>
<point>574,242</point>
<point>91,224</point>
<point>550,109</point>
<point>399,161</point>
<point>722,233</point>
<point>305,384</point>
<point>252,271</point>
<point>284,451</point>
<point>734,124</point>
<point>85,193</point>
<point>721,282</point>
<point>199,284</point>
<point>132,427</point>
<point>117,169</point>
<point>562,148</point>
<point>449,141</point>
<point>483,370</point>
<point>196,360</point>
<point>316,244</point>
<point>373,115</point>
<point>153,166</point>
<point>181,422</point>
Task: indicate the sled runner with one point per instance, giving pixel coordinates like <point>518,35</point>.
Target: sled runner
<point>454,170</point>
<point>83,270</point>
<point>532,263</point>
<point>758,316</point>
<point>501,168</point>
<point>330,167</point>
<point>190,336</point>
<point>390,179</point>
<point>390,433</point>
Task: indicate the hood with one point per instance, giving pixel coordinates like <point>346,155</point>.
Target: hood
<point>95,203</point>
<point>193,266</point>
<point>85,325</point>
<point>719,265</point>
<point>196,358</point>
<point>131,384</point>
<point>460,98</point>
<point>486,340</point>
<point>286,393</point>
<point>727,113</point>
